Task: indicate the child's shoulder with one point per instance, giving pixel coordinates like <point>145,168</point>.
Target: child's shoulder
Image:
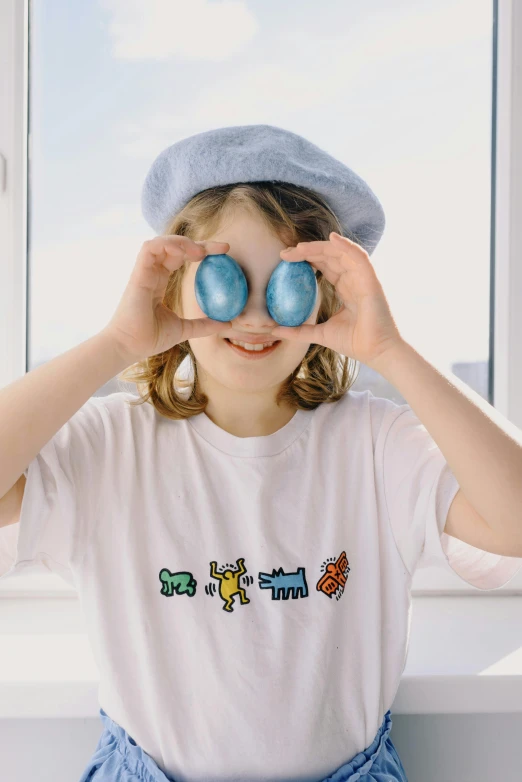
<point>365,410</point>
<point>366,400</point>
<point>117,404</point>
<point>116,398</point>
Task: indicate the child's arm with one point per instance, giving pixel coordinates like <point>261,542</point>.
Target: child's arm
<point>482,448</point>
<point>34,407</point>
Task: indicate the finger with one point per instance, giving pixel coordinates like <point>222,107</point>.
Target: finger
<point>180,247</point>
<point>307,250</point>
<point>192,328</point>
<point>304,333</point>
<point>332,261</point>
<point>335,237</point>
<point>311,248</point>
<point>165,254</point>
<point>339,245</point>
<point>330,268</point>
<point>158,258</point>
<point>327,262</point>
<point>343,239</point>
<point>319,261</point>
<point>214,247</point>
<point>354,250</point>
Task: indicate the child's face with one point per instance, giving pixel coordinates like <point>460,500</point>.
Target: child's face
<point>256,250</point>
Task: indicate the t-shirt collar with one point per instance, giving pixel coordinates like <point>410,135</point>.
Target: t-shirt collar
<point>264,445</point>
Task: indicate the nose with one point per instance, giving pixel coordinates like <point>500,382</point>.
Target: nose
<point>255,316</point>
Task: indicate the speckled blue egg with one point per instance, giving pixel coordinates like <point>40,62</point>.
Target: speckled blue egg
<point>221,288</point>
<point>291,293</point>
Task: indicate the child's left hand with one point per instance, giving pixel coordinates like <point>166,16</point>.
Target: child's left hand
<point>364,327</point>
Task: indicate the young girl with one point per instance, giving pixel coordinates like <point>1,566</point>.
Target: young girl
<point>242,540</point>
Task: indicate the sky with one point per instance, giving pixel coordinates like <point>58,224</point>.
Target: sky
<point>398,91</point>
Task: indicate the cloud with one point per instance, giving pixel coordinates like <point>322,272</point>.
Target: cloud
<point>307,71</point>
<point>190,29</point>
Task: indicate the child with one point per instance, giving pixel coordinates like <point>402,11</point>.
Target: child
<point>242,541</point>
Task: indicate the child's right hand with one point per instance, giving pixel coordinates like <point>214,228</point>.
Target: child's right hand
<point>142,325</point>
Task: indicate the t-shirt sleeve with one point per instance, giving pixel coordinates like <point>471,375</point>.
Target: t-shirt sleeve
<point>419,487</point>
<point>59,505</point>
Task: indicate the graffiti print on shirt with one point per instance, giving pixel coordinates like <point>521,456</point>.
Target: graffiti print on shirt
<point>229,583</point>
<point>284,584</point>
<point>178,583</point>
<point>334,580</point>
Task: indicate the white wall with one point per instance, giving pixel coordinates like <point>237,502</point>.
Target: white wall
<point>432,747</point>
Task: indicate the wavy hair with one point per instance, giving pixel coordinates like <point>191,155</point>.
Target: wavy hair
<point>294,214</point>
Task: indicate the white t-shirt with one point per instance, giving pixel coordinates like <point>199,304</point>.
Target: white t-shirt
<point>247,599</point>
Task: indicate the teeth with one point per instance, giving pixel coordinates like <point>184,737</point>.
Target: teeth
<point>252,347</point>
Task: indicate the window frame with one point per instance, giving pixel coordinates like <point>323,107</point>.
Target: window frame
<point>505,366</point>
<point>506,244</point>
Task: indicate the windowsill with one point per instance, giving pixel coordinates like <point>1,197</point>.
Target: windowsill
<point>465,656</point>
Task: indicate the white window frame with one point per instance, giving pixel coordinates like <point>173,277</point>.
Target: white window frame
<point>14,96</point>
<point>506,259</point>
<point>506,244</point>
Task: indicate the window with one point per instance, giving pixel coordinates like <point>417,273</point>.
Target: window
<point>405,94</point>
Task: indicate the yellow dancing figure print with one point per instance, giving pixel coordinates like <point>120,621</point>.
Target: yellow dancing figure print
<point>229,583</point>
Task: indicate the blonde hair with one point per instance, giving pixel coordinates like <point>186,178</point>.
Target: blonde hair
<point>293,214</point>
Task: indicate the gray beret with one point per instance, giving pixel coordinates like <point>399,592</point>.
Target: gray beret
<point>254,153</point>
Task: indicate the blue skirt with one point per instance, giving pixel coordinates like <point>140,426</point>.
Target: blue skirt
<point>117,758</point>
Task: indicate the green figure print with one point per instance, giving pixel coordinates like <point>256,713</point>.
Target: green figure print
<point>179,583</point>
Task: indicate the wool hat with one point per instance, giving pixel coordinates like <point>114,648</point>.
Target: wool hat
<point>255,153</point>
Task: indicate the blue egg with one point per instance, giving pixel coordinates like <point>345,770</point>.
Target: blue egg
<point>291,293</point>
<point>221,288</point>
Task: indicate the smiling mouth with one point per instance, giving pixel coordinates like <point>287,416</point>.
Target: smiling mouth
<point>255,352</point>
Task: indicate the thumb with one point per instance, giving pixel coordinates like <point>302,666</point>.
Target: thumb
<point>303,333</point>
<point>192,328</point>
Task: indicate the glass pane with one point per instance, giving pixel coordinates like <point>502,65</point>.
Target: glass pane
<point>399,92</point>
